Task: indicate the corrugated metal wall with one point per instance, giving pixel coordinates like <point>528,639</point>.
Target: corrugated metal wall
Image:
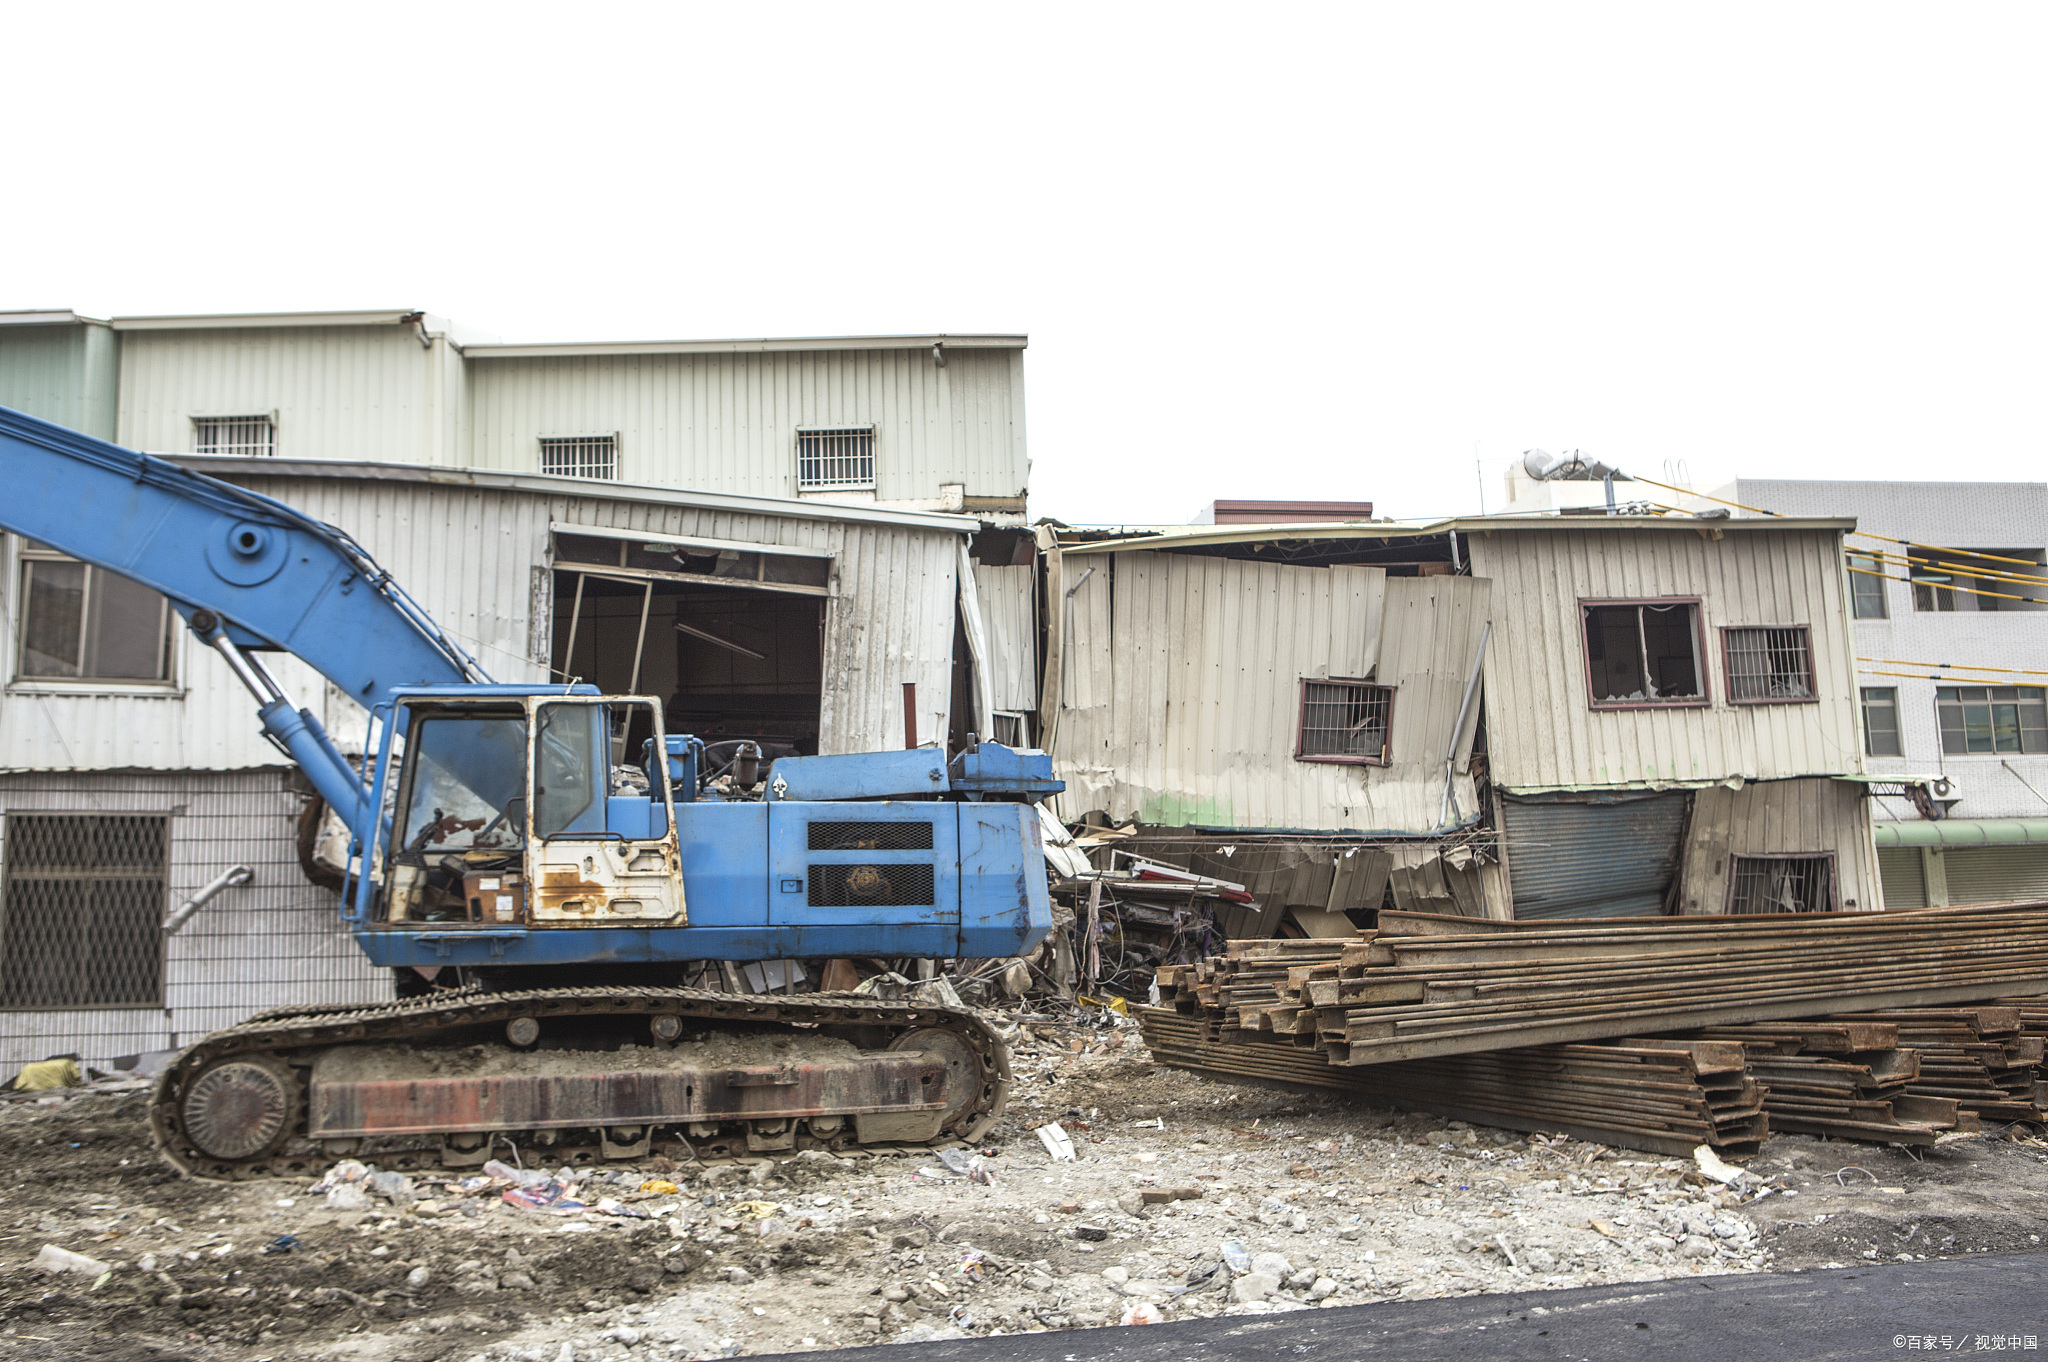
<point>278,941</point>
<point>728,422</point>
<point>1181,690</point>
<point>1543,733</point>
<point>61,371</point>
<point>339,392</point>
<point>1009,612</point>
<point>478,561</point>
<point>1780,817</point>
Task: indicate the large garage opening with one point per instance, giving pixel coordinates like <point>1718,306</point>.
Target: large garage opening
<point>730,638</point>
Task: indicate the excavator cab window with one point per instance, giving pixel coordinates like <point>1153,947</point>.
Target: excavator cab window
<point>569,783</point>
<point>465,812</point>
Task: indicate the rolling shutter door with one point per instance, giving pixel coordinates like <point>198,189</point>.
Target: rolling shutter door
<point>1985,874</point>
<point>1614,858</point>
<point>1899,870</point>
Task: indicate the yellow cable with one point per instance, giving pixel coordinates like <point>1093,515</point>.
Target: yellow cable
<point>1952,680</point>
<point>1966,590</point>
<point>1908,662</point>
<point>1970,569</point>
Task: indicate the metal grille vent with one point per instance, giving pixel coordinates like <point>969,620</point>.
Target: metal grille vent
<point>583,456</point>
<point>1783,884</point>
<point>84,904</point>
<point>1345,719</point>
<point>871,836</point>
<point>827,459</point>
<point>1769,664</point>
<point>871,886</point>
<point>234,435</point>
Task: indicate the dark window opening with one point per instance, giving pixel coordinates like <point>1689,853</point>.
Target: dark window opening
<point>1766,665</point>
<point>1989,720</point>
<point>728,665</point>
<point>1345,721</point>
<point>1782,884</point>
<point>1643,653</point>
<point>1881,722</point>
<point>85,903</point>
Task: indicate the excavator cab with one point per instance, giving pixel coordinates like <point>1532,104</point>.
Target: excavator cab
<point>507,812</point>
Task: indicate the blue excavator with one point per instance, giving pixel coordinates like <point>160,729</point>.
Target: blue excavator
<point>502,840</point>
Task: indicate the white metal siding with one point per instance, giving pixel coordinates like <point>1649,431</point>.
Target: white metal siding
<point>1182,690</point>
<point>62,372</point>
<point>277,942</point>
<point>1988,874</point>
<point>1544,735</point>
<point>1905,885</point>
<point>342,392</point>
<point>1780,817</point>
<point>728,422</point>
<point>1009,612</point>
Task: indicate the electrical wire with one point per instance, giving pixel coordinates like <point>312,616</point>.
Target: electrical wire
<point>1908,662</point>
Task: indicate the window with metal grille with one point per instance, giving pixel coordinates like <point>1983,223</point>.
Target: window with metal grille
<point>581,456</point>
<point>1986,720</point>
<point>1768,666</point>
<point>1881,721</point>
<point>84,903</point>
<point>234,435</point>
<point>1782,884</point>
<point>915,836</point>
<point>871,886</point>
<point>1866,588</point>
<point>1345,721</point>
<point>82,623</point>
<point>841,459</point>
<point>1643,653</point>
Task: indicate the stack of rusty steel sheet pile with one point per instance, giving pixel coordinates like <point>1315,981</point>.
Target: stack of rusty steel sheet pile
<point>1845,1079</point>
<point>1665,1096</point>
<point>1978,1057</point>
<point>1460,1016</point>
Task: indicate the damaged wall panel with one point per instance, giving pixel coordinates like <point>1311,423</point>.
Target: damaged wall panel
<point>1780,818</point>
<point>1181,691</point>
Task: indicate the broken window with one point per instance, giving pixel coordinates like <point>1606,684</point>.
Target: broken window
<point>85,904</point>
<point>1643,653</point>
<point>1881,721</point>
<point>83,623</point>
<point>1988,720</point>
<point>1766,665</point>
<point>1782,884</point>
<point>1345,721</point>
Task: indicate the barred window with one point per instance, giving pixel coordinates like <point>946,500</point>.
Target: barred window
<point>580,456</point>
<point>841,459</point>
<point>84,906</point>
<point>1345,721</point>
<point>1881,721</point>
<point>1766,666</point>
<point>83,623</point>
<point>1992,719</point>
<point>1782,884</point>
<point>256,435</point>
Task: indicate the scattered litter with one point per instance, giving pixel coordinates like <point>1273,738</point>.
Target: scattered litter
<point>1058,1144</point>
<point>756,1210</point>
<point>1710,1165</point>
<point>1143,1313</point>
<point>1236,1257</point>
<point>63,1072</point>
<point>660,1187</point>
<point>550,1196</point>
<point>284,1243</point>
<point>56,1260</point>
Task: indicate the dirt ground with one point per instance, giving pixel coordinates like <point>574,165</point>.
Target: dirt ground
<point>1302,1201</point>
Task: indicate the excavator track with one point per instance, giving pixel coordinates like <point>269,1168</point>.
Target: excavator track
<point>250,1081</point>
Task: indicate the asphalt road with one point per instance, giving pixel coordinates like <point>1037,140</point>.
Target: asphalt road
<point>1852,1314</point>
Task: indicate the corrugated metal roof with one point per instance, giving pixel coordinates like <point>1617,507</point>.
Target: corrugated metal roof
<point>749,346</point>
<point>232,468</point>
<point>1196,536</point>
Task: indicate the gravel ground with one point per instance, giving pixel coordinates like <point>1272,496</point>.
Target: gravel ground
<point>1279,1203</point>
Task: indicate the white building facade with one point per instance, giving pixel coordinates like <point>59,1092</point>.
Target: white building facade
<point>1950,617</point>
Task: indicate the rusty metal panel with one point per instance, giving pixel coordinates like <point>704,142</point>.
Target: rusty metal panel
<point>420,1104</point>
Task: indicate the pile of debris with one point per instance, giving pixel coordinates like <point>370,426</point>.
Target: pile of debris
<point>1596,1027</point>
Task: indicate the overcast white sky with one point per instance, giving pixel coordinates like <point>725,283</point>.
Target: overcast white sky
<point>1318,251</point>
